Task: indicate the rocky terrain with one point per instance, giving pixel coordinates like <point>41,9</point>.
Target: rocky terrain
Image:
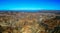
<point>24,22</point>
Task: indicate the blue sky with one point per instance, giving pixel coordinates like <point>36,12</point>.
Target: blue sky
<point>29,4</point>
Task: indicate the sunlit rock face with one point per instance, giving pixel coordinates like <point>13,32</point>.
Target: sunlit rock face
<point>13,22</point>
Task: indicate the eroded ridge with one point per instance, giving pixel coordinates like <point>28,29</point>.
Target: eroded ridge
<point>20,22</point>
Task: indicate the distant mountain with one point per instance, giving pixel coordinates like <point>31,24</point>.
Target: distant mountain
<point>36,11</point>
<point>50,11</point>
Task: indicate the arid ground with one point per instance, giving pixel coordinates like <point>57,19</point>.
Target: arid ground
<point>29,22</point>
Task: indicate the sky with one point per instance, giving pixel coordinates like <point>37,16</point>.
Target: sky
<point>29,4</point>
